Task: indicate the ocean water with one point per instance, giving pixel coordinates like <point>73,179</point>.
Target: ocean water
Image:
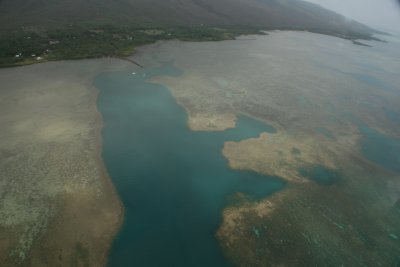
<point>321,175</point>
<point>380,148</point>
<point>173,182</point>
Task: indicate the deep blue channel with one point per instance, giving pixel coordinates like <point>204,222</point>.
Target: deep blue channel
<point>173,182</point>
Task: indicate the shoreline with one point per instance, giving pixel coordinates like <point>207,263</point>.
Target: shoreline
<point>296,214</point>
<point>355,38</point>
<point>105,175</point>
<point>109,188</point>
<point>70,209</point>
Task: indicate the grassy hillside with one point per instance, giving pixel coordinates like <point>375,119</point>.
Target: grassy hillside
<point>37,30</point>
<point>266,13</point>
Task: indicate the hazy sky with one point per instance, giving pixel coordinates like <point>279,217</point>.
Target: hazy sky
<point>384,14</point>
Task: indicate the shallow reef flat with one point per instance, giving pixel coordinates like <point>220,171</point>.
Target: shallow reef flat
<point>353,222</point>
<point>57,204</point>
<point>333,104</point>
<point>340,207</point>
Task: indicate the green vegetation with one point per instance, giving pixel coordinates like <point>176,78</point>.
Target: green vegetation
<point>32,45</point>
<point>36,31</point>
<point>78,42</point>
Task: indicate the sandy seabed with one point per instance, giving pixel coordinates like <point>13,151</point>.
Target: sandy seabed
<point>58,206</point>
<point>315,90</point>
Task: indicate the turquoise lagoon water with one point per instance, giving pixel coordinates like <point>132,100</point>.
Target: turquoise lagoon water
<point>173,182</point>
<point>393,116</point>
<point>380,149</point>
<point>321,175</point>
<point>325,132</point>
